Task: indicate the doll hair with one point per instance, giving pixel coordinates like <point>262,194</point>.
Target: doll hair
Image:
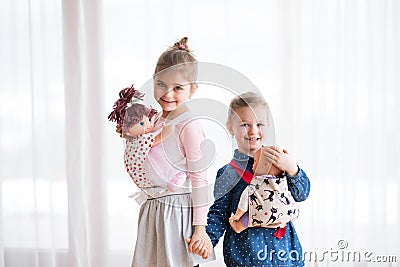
<point>247,99</point>
<point>127,111</point>
<point>177,54</point>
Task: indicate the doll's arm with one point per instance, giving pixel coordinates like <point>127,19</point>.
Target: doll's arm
<point>243,206</point>
<point>238,214</point>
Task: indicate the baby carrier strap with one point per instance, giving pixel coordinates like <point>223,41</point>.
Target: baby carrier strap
<point>246,175</point>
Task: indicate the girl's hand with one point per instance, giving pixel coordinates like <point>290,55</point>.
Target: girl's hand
<point>281,159</point>
<point>200,242</point>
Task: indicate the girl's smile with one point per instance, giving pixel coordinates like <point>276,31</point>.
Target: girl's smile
<point>167,102</point>
<point>171,89</point>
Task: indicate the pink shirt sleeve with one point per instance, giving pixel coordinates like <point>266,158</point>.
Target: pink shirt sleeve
<point>191,137</point>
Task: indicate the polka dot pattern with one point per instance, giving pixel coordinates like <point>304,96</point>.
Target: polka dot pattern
<point>136,151</point>
<point>254,246</point>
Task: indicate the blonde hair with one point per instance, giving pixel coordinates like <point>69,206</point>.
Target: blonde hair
<point>178,54</point>
<point>247,99</point>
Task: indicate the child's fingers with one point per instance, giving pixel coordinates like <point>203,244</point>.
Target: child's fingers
<point>205,254</point>
<point>192,249</point>
<point>271,159</point>
<point>269,156</point>
<point>196,251</point>
<point>209,249</point>
<point>269,148</point>
<point>275,148</point>
<point>196,246</point>
<point>188,240</point>
<point>269,151</point>
<point>201,251</point>
<point>273,154</point>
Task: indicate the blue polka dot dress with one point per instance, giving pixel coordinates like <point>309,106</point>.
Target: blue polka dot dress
<point>254,246</point>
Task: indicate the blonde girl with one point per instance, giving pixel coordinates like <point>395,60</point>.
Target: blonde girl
<point>168,218</point>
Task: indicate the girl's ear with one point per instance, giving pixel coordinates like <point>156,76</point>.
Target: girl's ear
<point>193,88</point>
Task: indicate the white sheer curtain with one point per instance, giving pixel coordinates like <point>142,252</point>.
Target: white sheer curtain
<point>34,217</point>
<point>52,128</point>
<point>337,112</point>
<point>329,70</point>
<point>84,121</point>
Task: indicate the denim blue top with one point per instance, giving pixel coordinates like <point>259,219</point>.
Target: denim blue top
<point>254,246</point>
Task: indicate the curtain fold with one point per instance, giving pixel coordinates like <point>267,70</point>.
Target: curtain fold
<point>83,69</point>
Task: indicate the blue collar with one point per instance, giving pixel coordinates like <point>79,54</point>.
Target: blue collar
<point>243,160</point>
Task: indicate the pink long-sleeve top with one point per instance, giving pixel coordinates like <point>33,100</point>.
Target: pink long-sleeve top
<point>182,151</point>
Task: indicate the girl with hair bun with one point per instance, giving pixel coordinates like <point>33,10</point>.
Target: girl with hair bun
<point>172,223</point>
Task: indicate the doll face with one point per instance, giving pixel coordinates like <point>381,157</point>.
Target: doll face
<point>142,127</point>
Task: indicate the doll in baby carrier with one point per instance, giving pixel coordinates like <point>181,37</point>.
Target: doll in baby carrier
<point>267,201</point>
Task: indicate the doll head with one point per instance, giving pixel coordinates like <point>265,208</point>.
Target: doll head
<point>262,167</point>
<point>132,116</point>
<point>142,127</point>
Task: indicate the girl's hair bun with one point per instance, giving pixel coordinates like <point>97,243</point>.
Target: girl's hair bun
<point>181,45</point>
<point>178,54</point>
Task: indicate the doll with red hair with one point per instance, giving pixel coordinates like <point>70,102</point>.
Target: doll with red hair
<point>135,123</point>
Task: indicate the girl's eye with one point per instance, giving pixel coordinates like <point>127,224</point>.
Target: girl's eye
<point>160,84</point>
<point>245,125</point>
<point>260,124</point>
<point>178,88</point>
<point>142,123</point>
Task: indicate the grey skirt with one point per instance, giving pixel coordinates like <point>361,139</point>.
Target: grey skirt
<point>164,224</point>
